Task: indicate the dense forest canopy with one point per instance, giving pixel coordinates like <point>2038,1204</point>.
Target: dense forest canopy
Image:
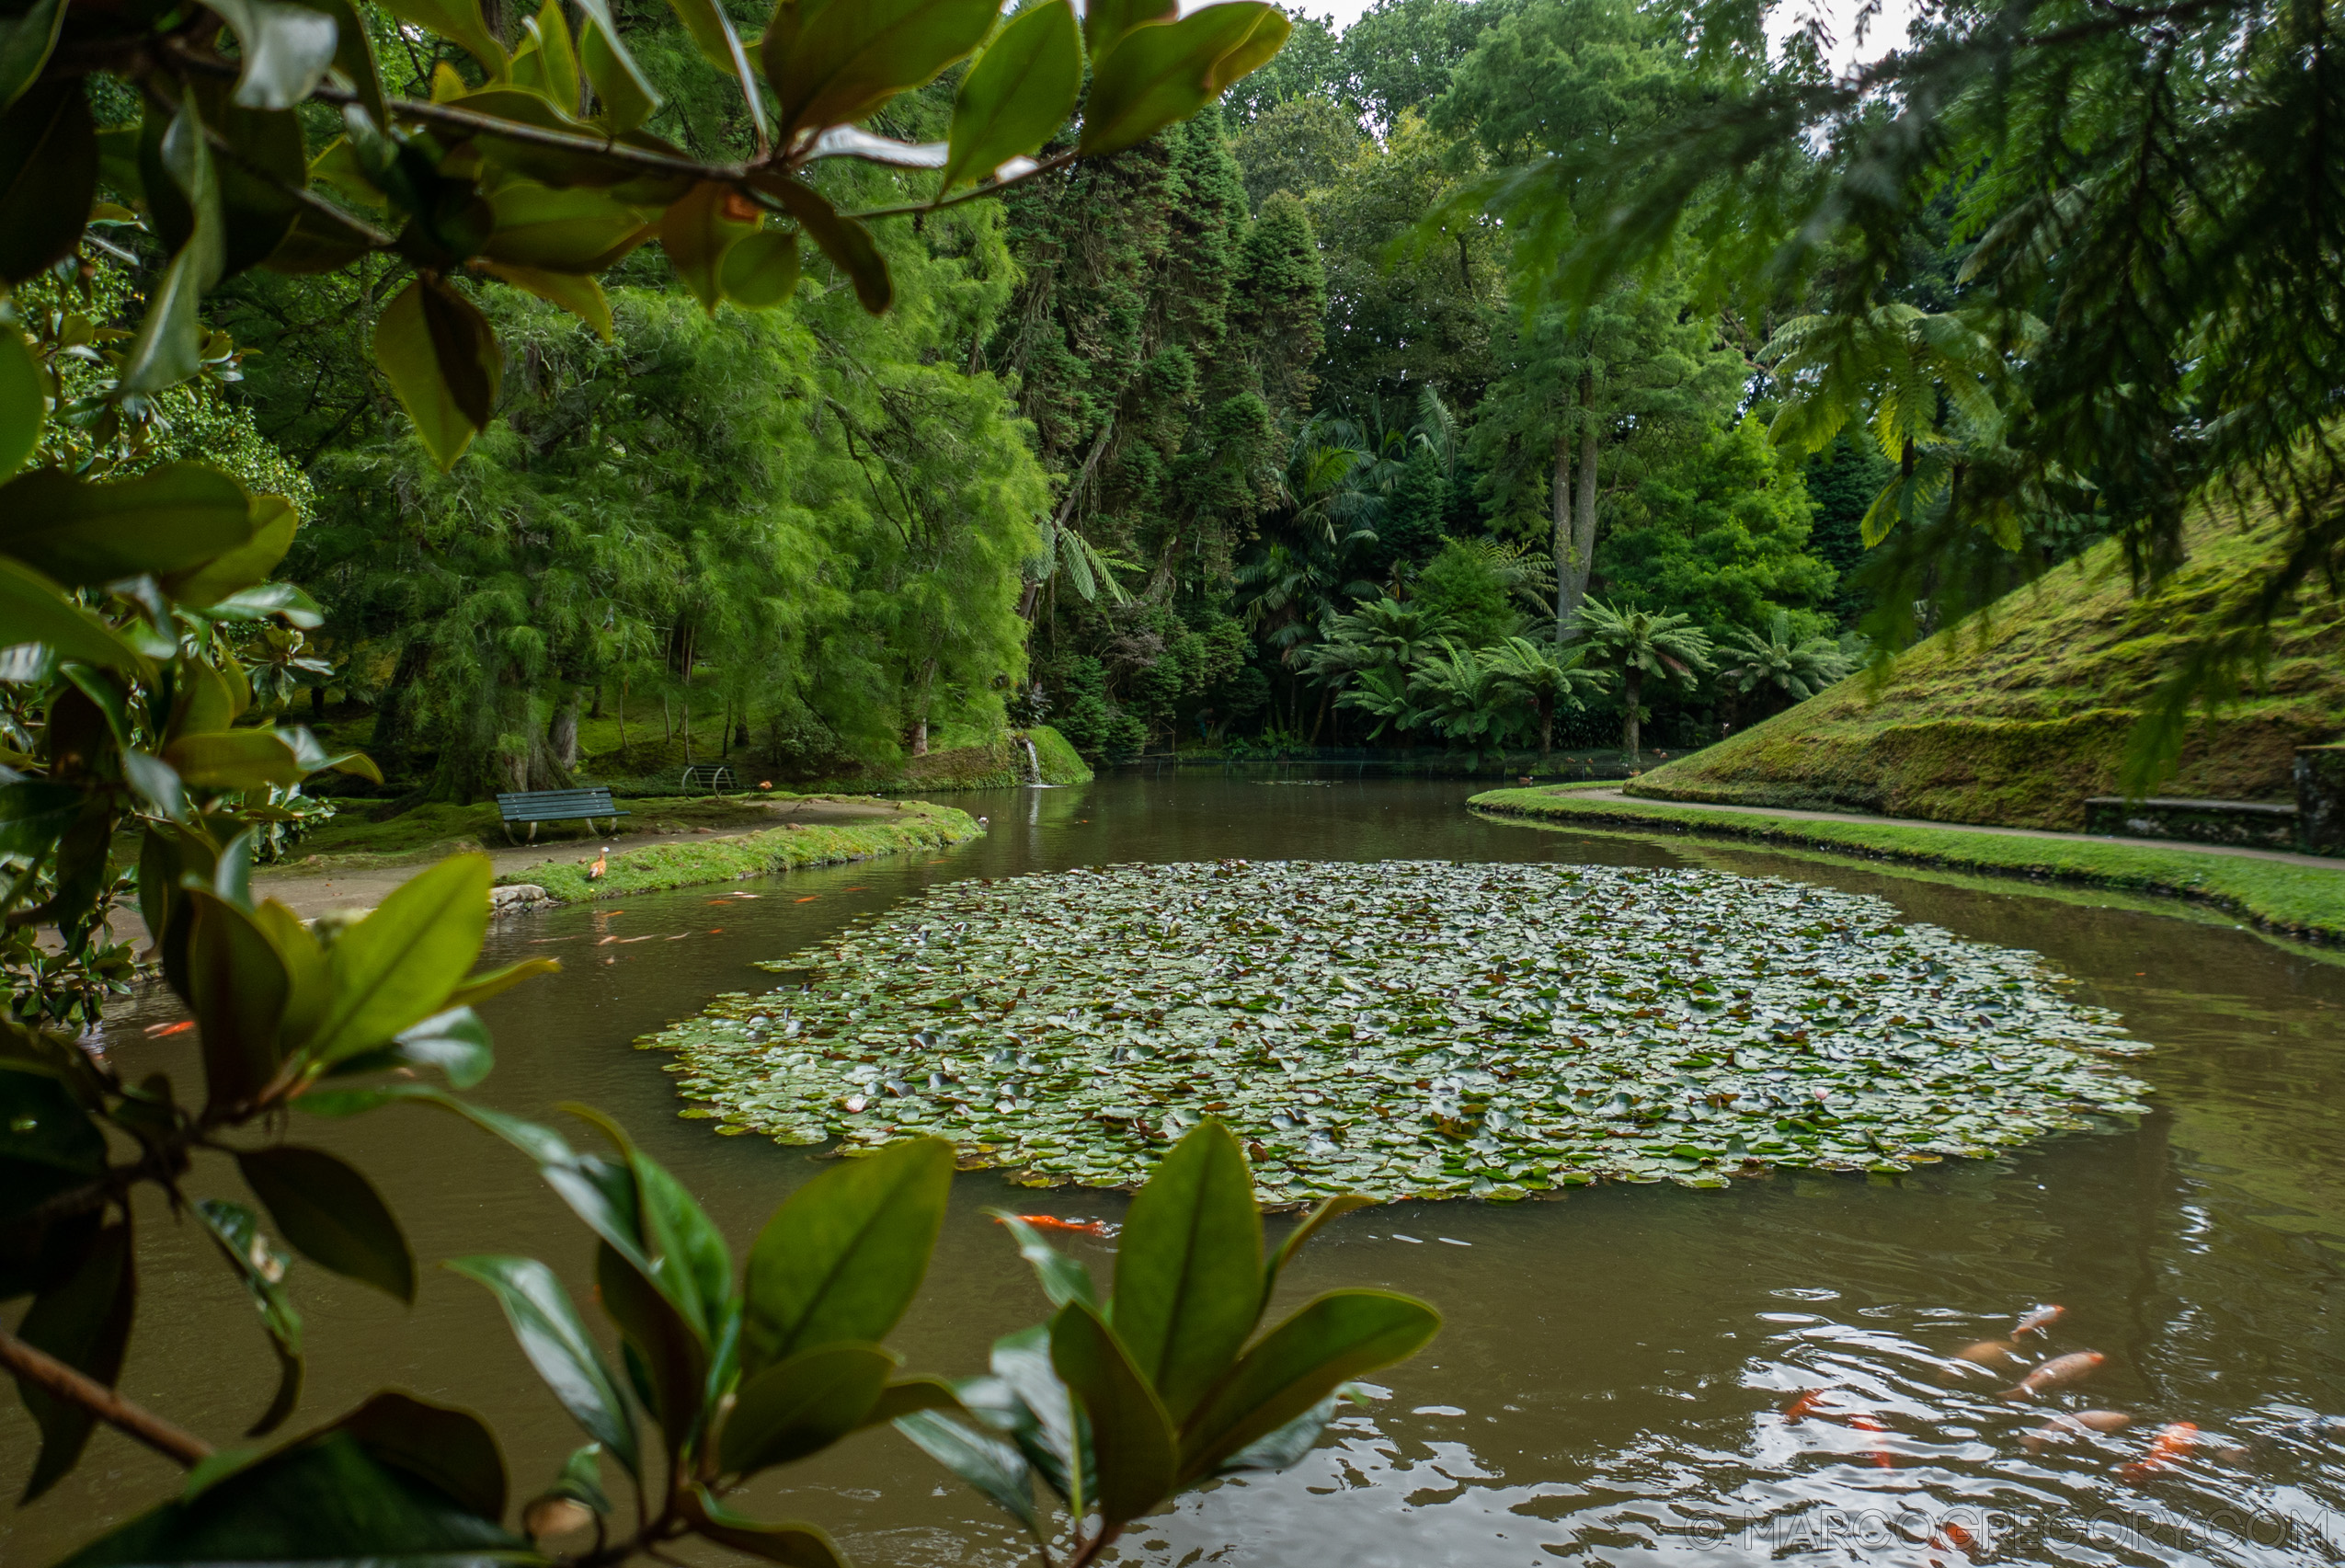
<point>1158,447</point>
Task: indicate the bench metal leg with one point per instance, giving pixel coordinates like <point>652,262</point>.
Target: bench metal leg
<point>532,838</point>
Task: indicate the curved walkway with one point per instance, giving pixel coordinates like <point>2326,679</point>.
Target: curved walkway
<point>2285,857</point>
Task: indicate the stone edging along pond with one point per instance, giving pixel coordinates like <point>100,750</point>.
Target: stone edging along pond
<point>655,867</point>
<point>2302,901</point>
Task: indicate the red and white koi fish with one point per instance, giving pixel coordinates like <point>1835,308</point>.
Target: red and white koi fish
<point>1081,1226</point>
<point>2057,1373</point>
<point>2169,1448</point>
<point>2070,1425</point>
<point>2035,1319</point>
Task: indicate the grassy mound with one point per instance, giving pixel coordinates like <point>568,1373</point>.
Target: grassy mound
<point>2305,901</point>
<point>2015,717</point>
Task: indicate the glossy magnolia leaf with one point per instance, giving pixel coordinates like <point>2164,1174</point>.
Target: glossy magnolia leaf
<point>396,967</point>
<point>331,1215</point>
<point>1017,94</point>
<point>258,162</point>
<point>798,1546</point>
<point>581,1480</point>
<point>324,1498</point>
<point>994,1467</point>
<point>1188,1267</point>
<point>626,95</point>
<point>305,960</point>
<point>547,61</point>
<point>238,987</point>
<point>909,1396</point>
<point>1325,1345</point>
<point>1132,1439</point>
<point>1063,1278</point>
<point>24,402</point>
<point>802,1406</point>
<point>1326,1210</point>
<point>677,1247</point>
<point>456,1042</point>
<point>235,1231</point>
<point>35,610</point>
<point>271,522</point>
<point>1167,72</point>
<point>284,51</point>
<point>1106,21</point>
<point>27,38</point>
<point>760,270</point>
<point>671,1351</point>
<point>569,230</point>
<point>846,242</point>
<point>845,1253</point>
<point>1287,1446</point>
<point>33,814</point>
<point>84,1322</point>
<point>459,22</point>
<point>317,242</point>
<point>47,176</point>
<point>705,25</point>
<point>442,362</point>
<point>449,1447</point>
<point>234,759</point>
<point>695,232</point>
<point>1025,1401</point>
<point>496,982</point>
<point>178,174</point>
<point>844,63</point>
<point>557,1344</point>
<point>84,535</point>
<point>354,56</point>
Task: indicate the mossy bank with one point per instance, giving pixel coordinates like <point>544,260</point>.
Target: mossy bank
<point>688,863</point>
<point>2018,715</point>
<point>2307,901</point>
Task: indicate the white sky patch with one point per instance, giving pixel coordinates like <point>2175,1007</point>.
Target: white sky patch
<point>1886,32</point>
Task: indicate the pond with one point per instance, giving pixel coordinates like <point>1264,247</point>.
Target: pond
<point>1613,1383</point>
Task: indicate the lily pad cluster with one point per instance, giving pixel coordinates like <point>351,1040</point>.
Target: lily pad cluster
<point>1407,1029</point>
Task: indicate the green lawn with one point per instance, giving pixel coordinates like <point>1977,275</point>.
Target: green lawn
<point>2300,901</point>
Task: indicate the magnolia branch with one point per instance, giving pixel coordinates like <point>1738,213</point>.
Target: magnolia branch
<point>53,1376</point>
<point>650,160</point>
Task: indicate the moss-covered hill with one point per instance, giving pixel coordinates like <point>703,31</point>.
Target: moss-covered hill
<point>2019,715</point>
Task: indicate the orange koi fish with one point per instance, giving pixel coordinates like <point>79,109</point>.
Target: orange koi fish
<point>164,1031</point>
<point>1052,1222</point>
<point>2057,1373</point>
<point>1882,1457</point>
<point>1804,1406</point>
<point>2169,1448</point>
<point>1988,1355</point>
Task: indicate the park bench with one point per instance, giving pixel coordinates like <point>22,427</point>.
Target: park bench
<point>557,805</point>
<point>713,777</point>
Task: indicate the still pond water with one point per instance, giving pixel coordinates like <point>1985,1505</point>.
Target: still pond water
<point>1611,1384</point>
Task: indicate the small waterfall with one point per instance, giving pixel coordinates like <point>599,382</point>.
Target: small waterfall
<point>1034,763</point>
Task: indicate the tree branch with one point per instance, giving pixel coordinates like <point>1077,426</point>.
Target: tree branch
<point>55,1379</point>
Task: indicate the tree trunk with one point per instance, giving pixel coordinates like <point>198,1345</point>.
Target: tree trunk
<point>667,721</point>
<point>1560,505</point>
<point>595,710</point>
<point>562,735</point>
<point>920,709</point>
<point>622,717</point>
<point>1326,700</point>
<point>317,705</point>
<point>1633,686</point>
<point>685,704</point>
<point>1546,728</point>
<point>394,726</point>
<point>1583,496</point>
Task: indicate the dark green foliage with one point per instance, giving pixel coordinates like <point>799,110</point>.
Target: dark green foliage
<point>1843,479</point>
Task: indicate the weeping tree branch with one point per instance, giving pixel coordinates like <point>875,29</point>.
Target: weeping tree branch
<point>53,1376</point>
